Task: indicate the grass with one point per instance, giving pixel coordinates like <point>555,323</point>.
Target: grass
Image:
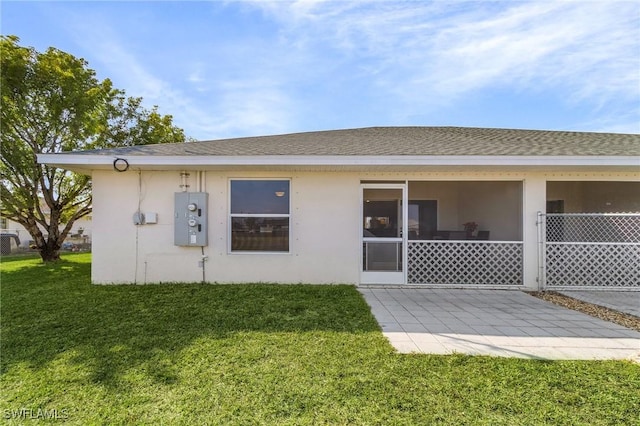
<point>261,354</point>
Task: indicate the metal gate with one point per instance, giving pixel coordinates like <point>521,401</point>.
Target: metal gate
<point>589,250</point>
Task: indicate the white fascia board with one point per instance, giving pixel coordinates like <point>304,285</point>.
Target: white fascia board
<point>99,161</point>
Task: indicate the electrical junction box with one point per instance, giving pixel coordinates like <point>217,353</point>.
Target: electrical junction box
<point>150,218</point>
<point>190,224</point>
<point>138,218</point>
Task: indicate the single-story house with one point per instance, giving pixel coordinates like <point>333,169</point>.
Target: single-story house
<point>80,235</point>
<point>416,206</point>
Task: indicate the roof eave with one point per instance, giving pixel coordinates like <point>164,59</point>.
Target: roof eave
<point>90,162</point>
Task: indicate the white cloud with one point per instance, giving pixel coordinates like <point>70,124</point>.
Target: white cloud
<point>394,60</point>
<point>567,45</point>
<point>206,109</point>
<point>196,75</point>
<point>257,109</point>
<point>426,55</point>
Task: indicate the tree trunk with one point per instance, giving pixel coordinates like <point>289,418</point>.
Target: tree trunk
<point>49,253</point>
<point>50,250</point>
<point>49,247</point>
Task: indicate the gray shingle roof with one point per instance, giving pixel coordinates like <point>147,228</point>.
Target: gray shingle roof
<point>402,141</point>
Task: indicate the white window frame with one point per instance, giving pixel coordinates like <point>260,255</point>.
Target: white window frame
<point>232,215</point>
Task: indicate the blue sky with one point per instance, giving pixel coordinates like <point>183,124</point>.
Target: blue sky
<point>229,69</point>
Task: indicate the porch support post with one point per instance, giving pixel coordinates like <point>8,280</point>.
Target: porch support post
<point>534,201</point>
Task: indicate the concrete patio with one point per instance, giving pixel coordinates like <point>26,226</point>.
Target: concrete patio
<point>494,322</point>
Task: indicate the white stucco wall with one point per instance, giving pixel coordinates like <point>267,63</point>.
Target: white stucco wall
<point>325,213</point>
<point>325,244</point>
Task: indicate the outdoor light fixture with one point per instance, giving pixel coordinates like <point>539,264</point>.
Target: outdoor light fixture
<point>279,193</point>
<point>120,165</point>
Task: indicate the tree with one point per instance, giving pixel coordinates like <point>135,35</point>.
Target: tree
<point>53,102</point>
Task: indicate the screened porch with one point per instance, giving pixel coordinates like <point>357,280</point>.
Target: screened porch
<point>465,233</point>
<point>457,232</point>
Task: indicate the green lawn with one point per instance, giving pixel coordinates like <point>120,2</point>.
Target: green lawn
<point>261,354</point>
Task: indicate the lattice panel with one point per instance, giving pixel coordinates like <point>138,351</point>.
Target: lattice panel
<point>595,265</point>
<point>593,228</point>
<point>465,262</point>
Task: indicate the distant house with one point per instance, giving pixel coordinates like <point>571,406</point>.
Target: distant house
<point>80,234</point>
<point>419,206</point>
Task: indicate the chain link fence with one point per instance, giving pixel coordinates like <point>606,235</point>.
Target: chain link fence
<point>584,250</point>
<point>593,228</point>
